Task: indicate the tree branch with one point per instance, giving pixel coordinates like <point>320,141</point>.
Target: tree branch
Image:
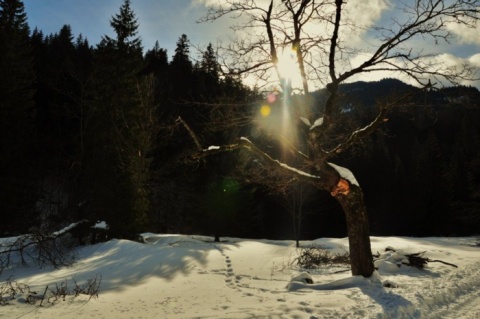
<point>245,144</point>
<point>191,132</point>
<point>334,39</point>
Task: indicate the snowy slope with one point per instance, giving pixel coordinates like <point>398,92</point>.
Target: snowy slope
<point>175,276</point>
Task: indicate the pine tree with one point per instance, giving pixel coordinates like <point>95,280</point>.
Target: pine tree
<point>125,25</point>
<point>123,131</point>
<point>207,75</point>
<point>181,58</point>
<point>156,63</point>
<point>16,78</point>
<point>181,71</point>
<point>209,63</point>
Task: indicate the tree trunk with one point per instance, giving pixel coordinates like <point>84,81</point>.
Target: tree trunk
<point>350,196</point>
<point>358,231</point>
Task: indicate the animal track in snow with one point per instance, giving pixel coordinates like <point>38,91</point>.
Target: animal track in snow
<point>231,279</point>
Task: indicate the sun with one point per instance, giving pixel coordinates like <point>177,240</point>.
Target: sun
<point>288,67</point>
<point>287,63</point>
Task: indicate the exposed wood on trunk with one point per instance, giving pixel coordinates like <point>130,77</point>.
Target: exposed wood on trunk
<point>342,188</point>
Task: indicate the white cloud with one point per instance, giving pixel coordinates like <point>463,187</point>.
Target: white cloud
<point>475,59</point>
<point>365,12</point>
<point>457,62</point>
<point>466,34</point>
<point>374,76</point>
<point>451,60</point>
<point>446,60</point>
<point>216,3</point>
<point>206,3</point>
<point>360,15</point>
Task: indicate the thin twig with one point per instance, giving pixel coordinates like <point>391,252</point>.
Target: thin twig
<point>44,294</point>
<point>191,132</point>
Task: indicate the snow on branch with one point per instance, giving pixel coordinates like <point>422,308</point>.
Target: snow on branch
<point>38,249</point>
<point>317,122</point>
<point>392,259</point>
<point>65,230</point>
<point>246,144</point>
<point>311,126</point>
<point>345,173</point>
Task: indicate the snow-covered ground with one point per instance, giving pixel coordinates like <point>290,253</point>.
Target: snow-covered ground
<point>174,276</point>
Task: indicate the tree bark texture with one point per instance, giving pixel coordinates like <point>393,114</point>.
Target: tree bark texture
<point>350,197</point>
<point>358,231</point>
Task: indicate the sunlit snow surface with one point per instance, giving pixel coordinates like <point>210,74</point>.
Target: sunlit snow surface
<point>174,276</point>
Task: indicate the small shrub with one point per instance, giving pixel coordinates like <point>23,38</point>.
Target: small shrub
<point>314,256</point>
<point>10,289</point>
<point>60,292</point>
<point>90,288</point>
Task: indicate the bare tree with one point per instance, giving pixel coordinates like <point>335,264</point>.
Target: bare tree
<point>297,195</point>
<point>319,34</point>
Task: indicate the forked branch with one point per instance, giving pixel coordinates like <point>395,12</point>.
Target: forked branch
<point>245,144</point>
<point>368,129</point>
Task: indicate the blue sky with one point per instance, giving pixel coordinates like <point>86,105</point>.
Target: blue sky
<point>166,20</point>
<point>162,20</point>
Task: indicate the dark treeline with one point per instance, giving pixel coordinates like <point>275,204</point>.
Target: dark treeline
<point>93,133</point>
<point>90,132</point>
<point>421,171</point>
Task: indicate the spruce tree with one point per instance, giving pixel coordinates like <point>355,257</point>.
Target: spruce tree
<point>181,71</point>
<point>207,75</point>
<point>16,77</point>
<point>156,64</point>
<point>124,123</point>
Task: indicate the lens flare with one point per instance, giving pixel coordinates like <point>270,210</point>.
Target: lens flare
<point>265,110</point>
<point>272,97</point>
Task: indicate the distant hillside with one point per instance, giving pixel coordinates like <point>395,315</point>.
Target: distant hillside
<point>420,171</point>
<point>422,168</point>
<point>368,93</point>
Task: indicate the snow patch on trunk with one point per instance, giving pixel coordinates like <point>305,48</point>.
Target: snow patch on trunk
<point>345,173</point>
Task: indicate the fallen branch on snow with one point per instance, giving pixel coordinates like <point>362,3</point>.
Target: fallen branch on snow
<point>413,260</point>
<point>417,260</point>
<point>38,249</point>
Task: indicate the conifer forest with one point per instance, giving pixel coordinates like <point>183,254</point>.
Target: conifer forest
<point>112,131</point>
